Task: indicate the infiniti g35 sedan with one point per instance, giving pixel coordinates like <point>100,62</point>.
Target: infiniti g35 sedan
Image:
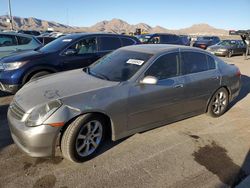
<point>130,90</point>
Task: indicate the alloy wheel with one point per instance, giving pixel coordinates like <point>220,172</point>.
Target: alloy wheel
<point>89,138</point>
<point>220,102</point>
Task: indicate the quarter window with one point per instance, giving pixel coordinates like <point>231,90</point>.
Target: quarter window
<point>109,43</point>
<point>7,40</point>
<point>193,62</point>
<point>210,62</point>
<point>164,67</point>
<point>84,46</point>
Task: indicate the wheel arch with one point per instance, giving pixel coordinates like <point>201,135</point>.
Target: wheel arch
<point>35,70</point>
<point>108,120</point>
<point>210,98</point>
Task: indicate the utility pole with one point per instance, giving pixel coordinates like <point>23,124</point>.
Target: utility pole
<point>11,18</point>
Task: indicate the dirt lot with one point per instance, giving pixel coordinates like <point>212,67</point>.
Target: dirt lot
<point>197,152</point>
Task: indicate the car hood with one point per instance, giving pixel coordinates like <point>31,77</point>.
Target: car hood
<point>58,86</point>
<point>23,56</point>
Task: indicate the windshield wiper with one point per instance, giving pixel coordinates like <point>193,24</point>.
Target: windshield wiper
<point>98,75</point>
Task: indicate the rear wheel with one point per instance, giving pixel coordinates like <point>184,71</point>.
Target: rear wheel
<point>83,138</point>
<point>219,103</point>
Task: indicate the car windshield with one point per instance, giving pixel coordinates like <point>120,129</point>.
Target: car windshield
<point>227,43</point>
<point>144,38</point>
<point>56,45</point>
<point>119,65</point>
<point>205,38</point>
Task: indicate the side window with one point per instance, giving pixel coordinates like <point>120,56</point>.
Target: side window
<point>154,40</point>
<point>7,40</point>
<point>127,41</point>
<point>84,46</point>
<point>193,62</point>
<point>210,62</point>
<point>166,39</point>
<point>164,67</point>
<point>23,40</point>
<point>109,43</point>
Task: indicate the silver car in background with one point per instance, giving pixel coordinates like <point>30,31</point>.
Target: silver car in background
<point>130,90</point>
<point>17,42</point>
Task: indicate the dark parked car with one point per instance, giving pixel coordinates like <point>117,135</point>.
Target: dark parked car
<point>131,90</point>
<point>65,53</point>
<point>30,32</point>
<point>228,48</point>
<point>205,41</point>
<point>161,38</point>
<point>185,40</point>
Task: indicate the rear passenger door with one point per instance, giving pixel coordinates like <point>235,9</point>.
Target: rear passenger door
<point>8,44</point>
<point>201,77</point>
<point>107,44</point>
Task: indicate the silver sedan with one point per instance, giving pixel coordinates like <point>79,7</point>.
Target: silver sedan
<point>130,90</point>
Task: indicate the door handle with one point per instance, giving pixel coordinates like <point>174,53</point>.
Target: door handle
<point>178,86</point>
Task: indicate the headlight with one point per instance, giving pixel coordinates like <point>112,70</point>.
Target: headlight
<point>222,49</point>
<point>13,65</point>
<point>41,113</point>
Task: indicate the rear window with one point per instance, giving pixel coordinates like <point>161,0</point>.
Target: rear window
<point>23,40</point>
<point>109,43</point>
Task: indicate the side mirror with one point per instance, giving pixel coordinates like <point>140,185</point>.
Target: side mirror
<point>69,52</point>
<point>149,80</point>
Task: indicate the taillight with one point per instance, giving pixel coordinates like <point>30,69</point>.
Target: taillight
<point>238,73</point>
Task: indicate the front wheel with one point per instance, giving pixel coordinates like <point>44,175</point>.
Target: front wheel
<point>230,53</point>
<point>83,137</point>
<point>219,103</point>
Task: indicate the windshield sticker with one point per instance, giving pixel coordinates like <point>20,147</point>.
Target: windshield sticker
<point>67,40</point>
<point>135,62</point>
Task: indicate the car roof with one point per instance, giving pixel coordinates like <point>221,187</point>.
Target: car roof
<point>16,34</point>
<point>158,48</point>
<point>77,35</point>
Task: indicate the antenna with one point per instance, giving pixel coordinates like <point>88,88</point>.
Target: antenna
<point>11,18</point>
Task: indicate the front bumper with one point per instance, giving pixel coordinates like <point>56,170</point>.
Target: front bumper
<point>37,141</point>
<point>219,53</point>
<point>9,88</point>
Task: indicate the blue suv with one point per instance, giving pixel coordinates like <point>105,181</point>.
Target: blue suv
<point>68,52</point>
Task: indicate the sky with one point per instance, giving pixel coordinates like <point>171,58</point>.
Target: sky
<point>171,14</point>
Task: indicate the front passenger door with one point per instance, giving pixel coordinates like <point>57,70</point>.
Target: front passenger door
<point>82,54</point>
<point>149,104</point>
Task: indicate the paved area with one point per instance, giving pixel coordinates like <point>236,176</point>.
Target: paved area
<point>196,152</point>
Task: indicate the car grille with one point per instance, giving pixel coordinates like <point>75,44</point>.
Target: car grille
<point>16,111</point>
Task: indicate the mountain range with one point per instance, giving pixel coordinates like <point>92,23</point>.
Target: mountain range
<point>114,25</point>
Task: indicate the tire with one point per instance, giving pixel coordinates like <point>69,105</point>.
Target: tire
<point>77,144</point>
<point>38,74</point>
<point>218,103</point>
<point>230,53</point>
